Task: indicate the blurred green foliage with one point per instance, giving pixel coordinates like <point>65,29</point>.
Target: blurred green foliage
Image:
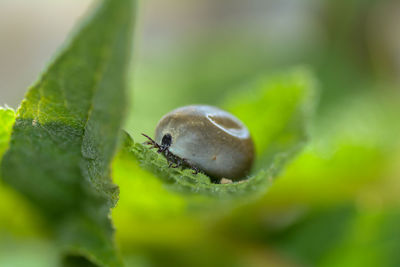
<point>335,204</point>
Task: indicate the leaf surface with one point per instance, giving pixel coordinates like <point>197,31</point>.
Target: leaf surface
<point>66,132</point>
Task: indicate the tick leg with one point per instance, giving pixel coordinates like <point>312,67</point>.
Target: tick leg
<point>195,169</point>
<point>150,144</point>
<point>178,164</point>
<point>171,165</point>
<point>151,140</point>
<point>186,163</point>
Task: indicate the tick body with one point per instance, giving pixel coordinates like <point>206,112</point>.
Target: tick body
<point>205,138</point>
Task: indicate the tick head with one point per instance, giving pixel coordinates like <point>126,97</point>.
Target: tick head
<point>166,140</point>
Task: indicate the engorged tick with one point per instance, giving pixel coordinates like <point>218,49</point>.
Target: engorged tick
<point>207,139</point>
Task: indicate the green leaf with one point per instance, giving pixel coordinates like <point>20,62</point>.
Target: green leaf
<point>25,222</point>
<point>7,117</point>
<point>66,132</point>
<point>276,110</point>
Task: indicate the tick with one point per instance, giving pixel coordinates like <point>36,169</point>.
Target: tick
<point>205,139</point>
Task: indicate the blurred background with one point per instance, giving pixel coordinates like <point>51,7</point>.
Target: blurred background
<point>337,204</point>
